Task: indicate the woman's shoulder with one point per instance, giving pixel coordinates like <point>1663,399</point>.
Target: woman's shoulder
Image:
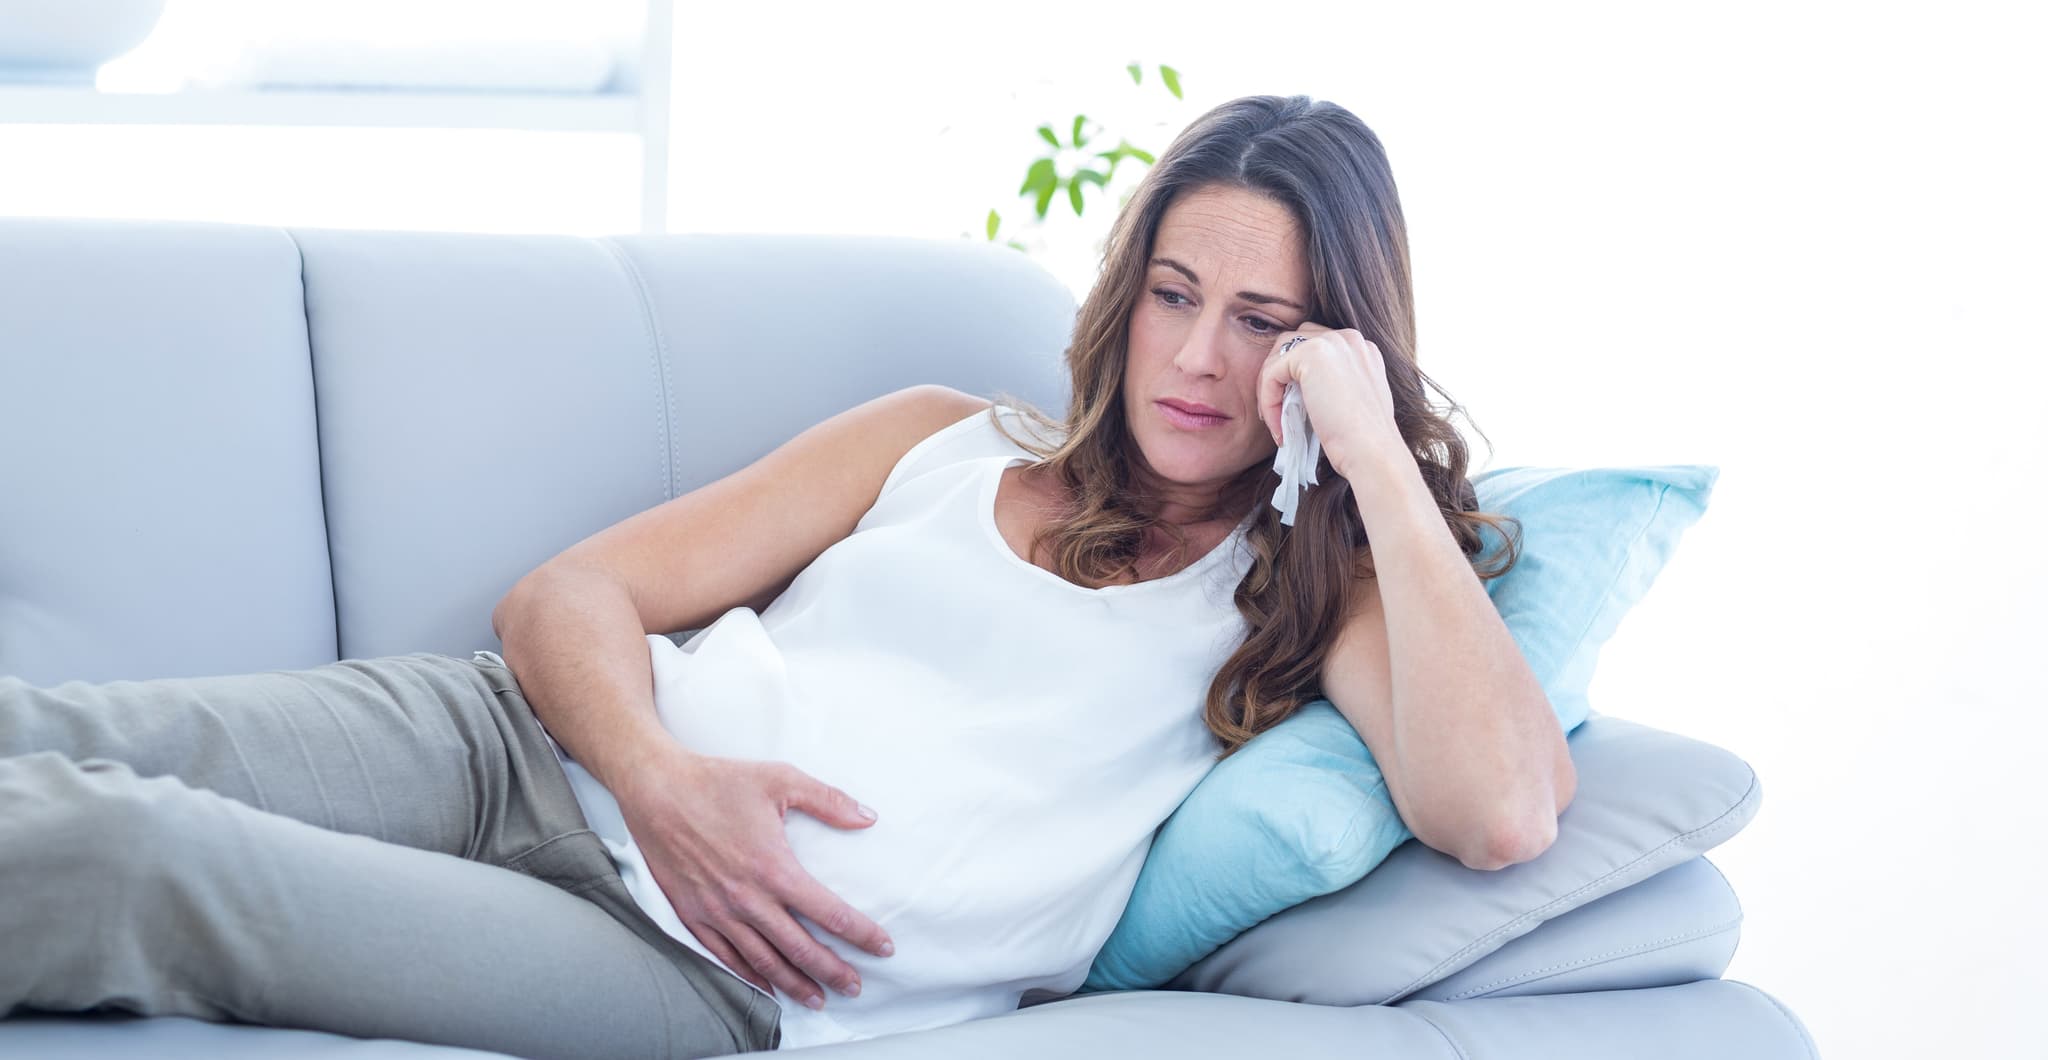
<point>961,427</point>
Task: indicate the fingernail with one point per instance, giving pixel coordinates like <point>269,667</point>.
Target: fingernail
<point>815,1001</point>
<point>854,990</point>
<point>887,948</point>
<point>866,813</point>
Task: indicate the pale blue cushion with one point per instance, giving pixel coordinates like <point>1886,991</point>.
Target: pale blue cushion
<point>1302,810</point>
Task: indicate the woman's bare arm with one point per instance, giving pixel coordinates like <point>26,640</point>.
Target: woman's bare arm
<point>574,635</point>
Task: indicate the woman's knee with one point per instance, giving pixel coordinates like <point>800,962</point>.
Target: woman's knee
<point>103,877</point>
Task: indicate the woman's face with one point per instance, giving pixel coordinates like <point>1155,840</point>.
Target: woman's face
<point>1227,275</point>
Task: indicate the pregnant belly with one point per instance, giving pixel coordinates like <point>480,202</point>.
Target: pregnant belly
<point>1002,852</point>
<point>967,902</point>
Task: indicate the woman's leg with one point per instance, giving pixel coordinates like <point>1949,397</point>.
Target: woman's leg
<point>144,894</point>
<point>423,750</point>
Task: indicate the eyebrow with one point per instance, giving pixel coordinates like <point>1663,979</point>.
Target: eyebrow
<point>1249,296</point>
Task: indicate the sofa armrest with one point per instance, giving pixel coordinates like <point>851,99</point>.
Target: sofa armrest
<point>1679,926</point>
<point>1647,800</point>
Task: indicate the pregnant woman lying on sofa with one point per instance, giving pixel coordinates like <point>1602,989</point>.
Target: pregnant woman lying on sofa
<point>1021,641</point>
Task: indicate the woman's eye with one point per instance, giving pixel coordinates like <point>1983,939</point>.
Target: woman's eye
<point>1259,325</point>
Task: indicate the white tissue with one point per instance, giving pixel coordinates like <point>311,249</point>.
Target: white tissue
<point>1300,451</point>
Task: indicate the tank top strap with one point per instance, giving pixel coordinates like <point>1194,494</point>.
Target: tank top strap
<point>971,438</point>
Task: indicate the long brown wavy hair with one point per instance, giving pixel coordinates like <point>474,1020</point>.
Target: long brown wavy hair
<point>1326,166</point>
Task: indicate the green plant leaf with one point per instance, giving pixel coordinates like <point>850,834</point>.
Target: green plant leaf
<point>1089,176</point>
<point>1137,73</point>
<point>1122,151</point>
<point>1172,78</point>
<point>1046,131</point>
<point>994,220</point>
<point>1045,197</point>
<point>1040,175</point>
<point>1017,244</point>
<point>1078,119</point>
<point>1074,195</point>
<point>1114,155</point>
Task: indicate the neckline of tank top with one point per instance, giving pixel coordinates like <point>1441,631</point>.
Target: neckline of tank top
<point>985,510</point>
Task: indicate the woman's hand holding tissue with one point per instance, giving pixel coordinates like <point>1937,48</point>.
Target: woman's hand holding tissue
<point>712,831</point>
<point>1342,384</point>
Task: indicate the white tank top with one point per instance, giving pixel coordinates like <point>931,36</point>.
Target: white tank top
<point>1019,737</point>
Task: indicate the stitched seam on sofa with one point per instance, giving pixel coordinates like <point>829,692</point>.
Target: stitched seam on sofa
<point>319,451</point>
<point>1449,964</point>
<point>1812,1051</point>
<point>1718,823</point>
<point>1441,1032</point>
<point>1724,882</point>
<point>1598,958</point>
<point>657,353</point>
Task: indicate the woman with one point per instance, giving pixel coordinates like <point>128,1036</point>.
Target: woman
<point>1022,652</point>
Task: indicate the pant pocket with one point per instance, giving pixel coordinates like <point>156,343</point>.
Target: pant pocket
<point>574,861</point>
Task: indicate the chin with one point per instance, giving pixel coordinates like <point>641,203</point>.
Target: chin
<point>1187,458</point>
<point>1188,466</point>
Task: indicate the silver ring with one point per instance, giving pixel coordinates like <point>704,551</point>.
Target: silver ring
<point>1289,344</point>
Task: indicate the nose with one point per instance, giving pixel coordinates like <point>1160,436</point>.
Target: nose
<point>1202,351</point>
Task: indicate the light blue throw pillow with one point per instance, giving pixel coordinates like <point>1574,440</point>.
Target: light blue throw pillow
<point>1302,810</point>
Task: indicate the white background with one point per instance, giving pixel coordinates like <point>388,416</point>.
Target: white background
<point>1799,242</point>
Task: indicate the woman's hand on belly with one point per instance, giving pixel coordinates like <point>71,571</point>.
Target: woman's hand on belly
<point>711,829</point>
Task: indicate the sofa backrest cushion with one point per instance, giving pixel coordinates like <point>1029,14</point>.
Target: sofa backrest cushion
<point>160,510</point>
<point>486,401</point>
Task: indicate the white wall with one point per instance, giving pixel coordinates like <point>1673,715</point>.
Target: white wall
<point>473,180</point>
<point>1797,241</point>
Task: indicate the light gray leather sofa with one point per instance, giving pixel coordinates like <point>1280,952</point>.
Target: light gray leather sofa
<point>232,448</point>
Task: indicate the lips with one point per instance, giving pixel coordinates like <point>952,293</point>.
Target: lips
<point>1188,421</point>
<point>1193,408</point>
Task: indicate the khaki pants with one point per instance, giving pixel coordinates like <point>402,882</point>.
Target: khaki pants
<point>383,848</point>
